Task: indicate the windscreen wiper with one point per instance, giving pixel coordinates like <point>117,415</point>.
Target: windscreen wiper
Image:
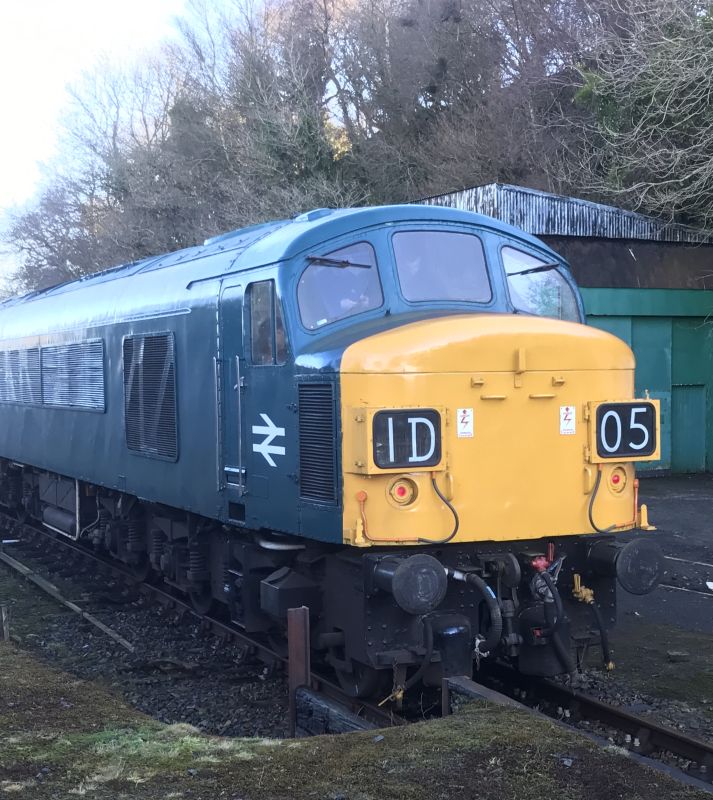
<point>342,263</point>
<point>541,268</point>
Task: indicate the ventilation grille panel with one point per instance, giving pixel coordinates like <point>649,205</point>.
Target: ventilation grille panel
<point>150,395</point>
<point>318,479</point>
<point>20,376</point>
<point>73,375</point>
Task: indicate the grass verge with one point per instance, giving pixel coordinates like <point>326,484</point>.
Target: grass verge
<point>61,737</point>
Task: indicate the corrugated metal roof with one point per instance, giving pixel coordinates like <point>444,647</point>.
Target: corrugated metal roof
<point>545,214</point>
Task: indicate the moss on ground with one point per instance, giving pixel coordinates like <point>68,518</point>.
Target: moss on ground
<point>61,737</point>
<point>640,653</point>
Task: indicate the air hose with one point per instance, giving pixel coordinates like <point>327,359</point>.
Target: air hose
<point>456,519</point>
<point>496,616</point>
<point>603,636</point>
<point>553,622</point>
<point>591,505</point>
<point>428,636</point>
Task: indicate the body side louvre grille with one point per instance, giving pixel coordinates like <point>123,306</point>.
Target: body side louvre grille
<point>318,479</point>
<point>73,375</point>
<point>150,395</point>
<point>20,376</point>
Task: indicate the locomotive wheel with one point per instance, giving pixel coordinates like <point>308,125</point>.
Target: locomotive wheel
<point>364,681</point>
<point>201,600</point>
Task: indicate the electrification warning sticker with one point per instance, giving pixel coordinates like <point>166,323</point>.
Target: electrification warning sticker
<point>464,424</point>
<point>568,420</point>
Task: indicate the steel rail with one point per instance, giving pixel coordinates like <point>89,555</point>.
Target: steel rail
<point>652,736</point>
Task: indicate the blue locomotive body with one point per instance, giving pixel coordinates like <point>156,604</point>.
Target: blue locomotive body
<point>184,414</point>
<point>180,429</point>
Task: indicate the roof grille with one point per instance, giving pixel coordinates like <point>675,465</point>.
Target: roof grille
<point>73,375</point>
<point>318,473</point>
<point>150,395</point>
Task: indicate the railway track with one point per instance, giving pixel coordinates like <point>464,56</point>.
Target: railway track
<point>641,735</point>
<point>320,682</point>
<point>646,736</point>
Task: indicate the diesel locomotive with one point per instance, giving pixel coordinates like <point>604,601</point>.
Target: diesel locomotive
<point>394,416</point>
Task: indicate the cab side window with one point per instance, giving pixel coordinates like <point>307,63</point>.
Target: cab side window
<point>268,339</point>
<point>537,287</point>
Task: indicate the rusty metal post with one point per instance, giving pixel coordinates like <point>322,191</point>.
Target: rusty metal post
<point>445,697</point>
<point>298,667</point>
<point>5,618</point>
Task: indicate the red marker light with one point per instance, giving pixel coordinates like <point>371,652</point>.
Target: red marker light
<point>403,491</point>
<point>615,478</point>
<point>540,563</point>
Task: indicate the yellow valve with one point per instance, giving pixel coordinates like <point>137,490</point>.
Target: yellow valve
<point>581,592</point>
<point>397,694</point>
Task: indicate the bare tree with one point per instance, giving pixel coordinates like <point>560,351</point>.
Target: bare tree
<point>643,110</point>
<point>267,109</point>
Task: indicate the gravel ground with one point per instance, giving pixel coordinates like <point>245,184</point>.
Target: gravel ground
<point>179,671</point>
<point>696,719</point>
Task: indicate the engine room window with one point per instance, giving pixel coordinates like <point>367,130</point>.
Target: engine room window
<point>268,339</point>
<point>441,265</point>
<point>338,285</point>
<point>543,292</point>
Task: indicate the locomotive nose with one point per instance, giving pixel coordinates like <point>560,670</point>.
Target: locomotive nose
<point>464,428</point>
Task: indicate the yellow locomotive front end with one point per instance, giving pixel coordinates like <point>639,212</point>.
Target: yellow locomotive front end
<point>528,426</point>
<point>488,468</point>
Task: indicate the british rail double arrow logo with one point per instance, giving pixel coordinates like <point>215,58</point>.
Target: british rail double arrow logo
<point>266,448</point>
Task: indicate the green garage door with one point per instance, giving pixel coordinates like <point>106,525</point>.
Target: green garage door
<point>688,427</point>
<point>671,334</point>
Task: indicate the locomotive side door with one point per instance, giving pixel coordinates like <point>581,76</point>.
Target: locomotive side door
<point>270,446</point>
<point>230,378</point>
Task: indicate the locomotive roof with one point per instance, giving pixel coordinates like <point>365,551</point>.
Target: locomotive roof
<point>272,242</point>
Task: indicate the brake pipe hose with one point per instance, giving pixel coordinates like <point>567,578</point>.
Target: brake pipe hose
<point>553,621</point>
<point>603,636</point>
<point>491,601</point>
<point>586,596</point>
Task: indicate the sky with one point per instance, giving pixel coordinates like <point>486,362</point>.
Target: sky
<point>45,45</point>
